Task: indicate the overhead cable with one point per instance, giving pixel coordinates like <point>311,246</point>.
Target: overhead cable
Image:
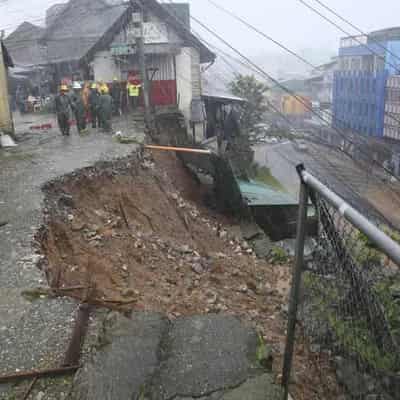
<point>313,9</point>
<point>360,31</point>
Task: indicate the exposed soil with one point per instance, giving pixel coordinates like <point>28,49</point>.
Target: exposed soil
<point>134,234</point>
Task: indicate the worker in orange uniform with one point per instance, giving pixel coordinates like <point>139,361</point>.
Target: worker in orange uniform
<point>85,98</point>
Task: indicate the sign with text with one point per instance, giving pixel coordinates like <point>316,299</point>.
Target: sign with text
<point>123,49</point>
<point>155,33</point>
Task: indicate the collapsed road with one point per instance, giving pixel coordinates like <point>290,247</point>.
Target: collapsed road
<point>134,235</point>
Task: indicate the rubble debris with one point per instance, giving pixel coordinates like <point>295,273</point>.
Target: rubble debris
<point>66,200</point>
<point>180,267</point>
<point>121,138</point>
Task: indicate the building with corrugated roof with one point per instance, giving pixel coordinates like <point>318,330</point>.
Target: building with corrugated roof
<point>95,40</point>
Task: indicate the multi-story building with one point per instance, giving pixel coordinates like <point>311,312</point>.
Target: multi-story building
<point>366,65</point>
<point>392,108</point>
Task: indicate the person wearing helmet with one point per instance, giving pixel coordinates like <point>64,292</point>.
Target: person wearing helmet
<point>116,96</point>
<point>103,87</point>
<point>94,99</point>
<point>78,108</point>
<point>63,107</point>
<point>133,91</point>
<point>105,109</point>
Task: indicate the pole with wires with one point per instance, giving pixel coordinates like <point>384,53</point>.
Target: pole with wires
<point>137,9</point>
<point>268,76</point>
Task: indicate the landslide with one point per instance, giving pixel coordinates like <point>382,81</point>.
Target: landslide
<point>135,234</point>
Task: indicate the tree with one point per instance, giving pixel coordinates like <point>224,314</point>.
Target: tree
<point>250,89</point>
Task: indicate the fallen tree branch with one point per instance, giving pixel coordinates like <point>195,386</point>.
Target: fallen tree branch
<point>122,210</point>
<point>29,388</point>
<point>174,206</point>
<point>144,215</point>
<point>70,288</point>
<point>35,293</point>
<point>38,374</point>
<point>119,302</point>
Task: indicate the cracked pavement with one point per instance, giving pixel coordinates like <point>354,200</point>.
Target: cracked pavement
<point>35,334</point>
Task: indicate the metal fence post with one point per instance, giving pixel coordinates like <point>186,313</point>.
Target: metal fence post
<point>296,284</point>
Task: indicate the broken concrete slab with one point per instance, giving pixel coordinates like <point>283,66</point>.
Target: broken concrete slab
<point>146,356</point>
<point>250,230</point>
<point>256,237</point>
<point>126,358</point>
<point>204,354</point>
<point>262,246</point>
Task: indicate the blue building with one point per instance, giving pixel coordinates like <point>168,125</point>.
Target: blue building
<point>360,83</point>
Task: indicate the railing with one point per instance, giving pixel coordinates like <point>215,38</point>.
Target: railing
<point>346,297</point>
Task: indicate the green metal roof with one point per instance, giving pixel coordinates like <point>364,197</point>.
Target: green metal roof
<point>260,194</point>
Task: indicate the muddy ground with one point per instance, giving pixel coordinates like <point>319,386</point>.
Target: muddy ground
<point>135,234</point>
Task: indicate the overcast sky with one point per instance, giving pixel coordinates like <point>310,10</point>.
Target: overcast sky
<point>286,20</point>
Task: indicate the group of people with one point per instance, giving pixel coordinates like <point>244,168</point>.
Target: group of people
<point>95,102</point>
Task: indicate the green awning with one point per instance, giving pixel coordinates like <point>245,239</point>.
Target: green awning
<point>260,194</point>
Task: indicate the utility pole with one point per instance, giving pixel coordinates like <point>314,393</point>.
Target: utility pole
<point>137,9</point>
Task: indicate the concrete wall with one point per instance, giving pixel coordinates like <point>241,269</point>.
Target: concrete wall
<point>196,74</point>
<point>184,82</point>
<point>188,78</point>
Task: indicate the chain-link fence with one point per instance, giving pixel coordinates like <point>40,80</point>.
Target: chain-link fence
<point>346,296</point>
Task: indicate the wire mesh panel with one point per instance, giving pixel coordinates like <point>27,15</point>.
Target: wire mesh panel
<point>350,306</point>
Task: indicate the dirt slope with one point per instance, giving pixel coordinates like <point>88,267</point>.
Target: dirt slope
<point>134,234</point>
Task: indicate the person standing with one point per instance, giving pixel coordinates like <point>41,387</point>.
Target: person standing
<point>63,107</point>
<point>94,100</point>
<point>85,98</point>
<point>116,96</point>
<point>133,92</point>
<point>79,108</point>
<point>103,87</point>
<point>21,99</point>
<point>105,110</point>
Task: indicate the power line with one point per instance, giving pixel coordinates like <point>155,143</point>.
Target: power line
<point>356,39</point>
<point>360,31</point>
<point>271,105</point>
<point>247,66</point>
<point>285,89</point>
<point>313,9</point>
<point>252,27</point>
<point>299,99</point>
